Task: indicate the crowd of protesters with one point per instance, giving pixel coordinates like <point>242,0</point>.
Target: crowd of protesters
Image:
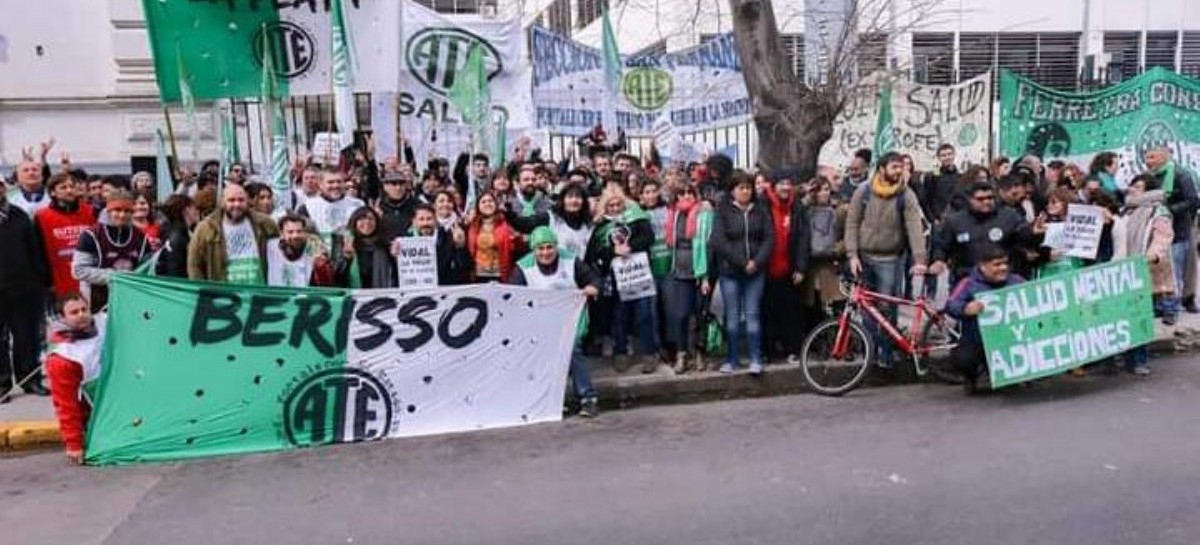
<point>774,245</point>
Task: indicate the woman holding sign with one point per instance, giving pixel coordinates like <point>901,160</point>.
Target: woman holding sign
<point>619,251</point>
<point>742,239</point>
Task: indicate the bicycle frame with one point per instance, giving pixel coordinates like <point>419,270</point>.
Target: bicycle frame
<point>865,300</point>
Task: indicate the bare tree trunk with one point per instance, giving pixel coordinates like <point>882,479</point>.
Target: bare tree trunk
<point>793,121</point>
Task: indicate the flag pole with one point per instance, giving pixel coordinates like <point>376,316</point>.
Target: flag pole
<point>171,134</point>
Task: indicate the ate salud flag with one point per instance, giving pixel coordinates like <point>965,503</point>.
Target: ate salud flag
<point>222,45</point>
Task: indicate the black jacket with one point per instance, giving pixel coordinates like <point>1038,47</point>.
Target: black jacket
<point>600,249</point>
<point>172,259</point>
<point>940,189</point>
<point>1183,202</point>
<point>962,235</point>
<point>585,276</point>
<point>22,260</point>
<point>739,236</point>
<point>396,216</point>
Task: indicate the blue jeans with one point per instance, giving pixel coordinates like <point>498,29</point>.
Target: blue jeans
<point>679,301</point>
<point>1137,357</point>
<point>581,377</point>
<point>1179,255</point>
<point>643,312</point>
<point>743,299</point>
<point>886,277</point>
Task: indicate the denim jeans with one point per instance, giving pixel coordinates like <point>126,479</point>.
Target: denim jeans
<point>886,277</point>
<point>679,300</point>
<point>1179,255</point>
<point>581,377</point>
<point>1137,357</point>
<point>643,312</point>
<point>743,299</point>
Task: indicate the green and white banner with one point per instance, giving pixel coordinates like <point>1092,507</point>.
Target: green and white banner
<point>698,88</point>
<point>193,369</point>
<point>1155,108</point>
<point>1049,326</point>
<point>922,118</point>
<point>219,45</point>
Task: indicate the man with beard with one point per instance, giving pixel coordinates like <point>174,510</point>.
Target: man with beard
<point>883,227</point>
<point>962,237</point>
<point>856,174</point>
<point>941,186</point>
<point>22,290</point>
<point>453,261</point>
<point>328,212</point>
<point>471,184</point>
<point>230,245</point>
<point>60,226</point>
<point>297,259</point>
<point>107,248</point>
<point>529,200</point>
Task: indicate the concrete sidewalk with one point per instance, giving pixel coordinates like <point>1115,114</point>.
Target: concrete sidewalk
<point>27,422</point>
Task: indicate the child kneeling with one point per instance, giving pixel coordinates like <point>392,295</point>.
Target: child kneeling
<point>991,273</point>
<point>73,359</point>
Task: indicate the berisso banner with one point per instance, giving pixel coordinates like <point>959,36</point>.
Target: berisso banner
<point>193,369</point>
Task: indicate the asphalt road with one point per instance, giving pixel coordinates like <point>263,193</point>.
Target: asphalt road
<point>1090,461</point>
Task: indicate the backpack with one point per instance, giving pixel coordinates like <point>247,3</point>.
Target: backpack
<point>822,232</point>
<point>900,202</point>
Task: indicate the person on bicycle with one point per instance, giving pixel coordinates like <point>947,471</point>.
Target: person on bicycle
<point>883,228</point>
<point>990,273</point>
<point>960,239</point>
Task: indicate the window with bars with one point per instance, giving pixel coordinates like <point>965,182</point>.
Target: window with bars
<point>976,54</point>
<point>793,48</point>
<point>1125,48</point>
<point>558,14</point>
<point>1058,60</point>
<point>588,10</point>
<point>1189,54</point>
<point>872,53</point>
<point>451,6</point>
<point>933,57</point>
<point>1160,49</point>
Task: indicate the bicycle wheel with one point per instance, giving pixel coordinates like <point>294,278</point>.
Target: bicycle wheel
<point>832,376</point>
<point>938,339</point>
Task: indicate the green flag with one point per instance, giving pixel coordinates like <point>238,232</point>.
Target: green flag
<point>470,94</point>
<point>885,139</point>
<point>344,66</point>
<point>164,182</point>
<point>230,153</point>
<point>612,73</point>
<point>278,167</point>
<point>216,41</point>
<point>189,105</point>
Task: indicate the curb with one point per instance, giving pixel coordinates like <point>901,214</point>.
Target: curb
<point>24,435</point>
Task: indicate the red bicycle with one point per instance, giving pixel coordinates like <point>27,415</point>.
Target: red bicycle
<point>837,353</point>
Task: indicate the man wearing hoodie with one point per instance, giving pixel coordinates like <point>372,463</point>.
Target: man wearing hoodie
<point>883,228</point>
<point>941,185</point>
<point>60,226</point>
<point>785,271</point>
<point>23,280</point>
<point>990,273</point>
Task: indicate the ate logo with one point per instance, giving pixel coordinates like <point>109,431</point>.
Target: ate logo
<point>338,406</point>
<point>436,56</point>
<point>293,48</point>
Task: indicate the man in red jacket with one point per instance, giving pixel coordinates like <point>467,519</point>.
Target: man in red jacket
<point>60,225</point>
<point>72,361</point>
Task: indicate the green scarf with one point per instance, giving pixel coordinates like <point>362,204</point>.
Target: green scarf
<point>1166,173</point>
<point>1108,182</point>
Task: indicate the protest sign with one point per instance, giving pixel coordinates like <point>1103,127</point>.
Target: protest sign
<point>1156,108</point>
<point>634,277</point>
<point>193,369</point>
<point>1082,229</point>
<point>1049,326</point>
<point>218,46</point>
<point>326,148</point>
<point>699,88</point>
<point>416,261</point>
<point>923,118</point>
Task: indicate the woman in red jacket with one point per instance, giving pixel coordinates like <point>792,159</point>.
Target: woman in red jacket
<point>73,359</point>
<point>493,244</point>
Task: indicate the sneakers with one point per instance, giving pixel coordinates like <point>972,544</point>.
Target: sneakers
<point>649,364</point>
<point>588,408</point>
<point>726,369</point>
<point>793,359</point>
<point>1141,370</point>
<point>681,363</point>
<point>756,368</point>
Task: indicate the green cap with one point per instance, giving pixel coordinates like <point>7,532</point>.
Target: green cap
<point>542,235</point>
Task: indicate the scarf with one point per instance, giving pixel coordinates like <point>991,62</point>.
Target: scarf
<point>1140,212</point>
<point>448,223</point>
<point>781,219</point>
<point>883,189</point>
<point>693,214</point>
<point>1166,174</point>
<point>1108,182</point>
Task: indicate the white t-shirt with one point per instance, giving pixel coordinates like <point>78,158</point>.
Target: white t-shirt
<point>244,266</point>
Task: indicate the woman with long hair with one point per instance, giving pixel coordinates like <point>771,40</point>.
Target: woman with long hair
<point>688,225</point>
<point>742,240</point>
<point>492,243</point>
<point>145,218</point>
<point>181,216</point>
<point>361,258</point>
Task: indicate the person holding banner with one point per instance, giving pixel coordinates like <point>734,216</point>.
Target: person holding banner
<point>361,258</point>
<point>550,268</point>
<point>329,211</point>
<point>743,238</point>
<point>990,273</point>
<point>230,245</point>
<point>619,251</point>
<point>107,248</point>
<point>297,259</point>
<point>72,360</point>
<point>1145,228</point>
